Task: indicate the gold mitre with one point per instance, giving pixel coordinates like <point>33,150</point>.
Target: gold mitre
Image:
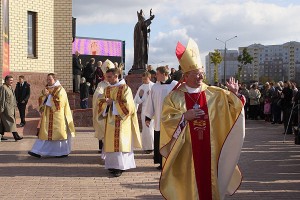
<point>107,65</point>
<point>189,57</point>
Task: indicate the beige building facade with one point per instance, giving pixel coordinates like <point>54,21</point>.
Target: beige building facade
<point>273,62</point>
<point>40,42</point>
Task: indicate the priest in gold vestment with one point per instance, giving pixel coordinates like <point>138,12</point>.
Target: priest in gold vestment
<point>121,130</point>
<point>202,132</point>
<point>56,124</point>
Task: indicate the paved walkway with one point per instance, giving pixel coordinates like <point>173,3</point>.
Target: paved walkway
<point>271,170</point>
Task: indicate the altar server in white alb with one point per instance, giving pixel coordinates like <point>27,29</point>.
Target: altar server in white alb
<point>140,99</point>
<point>154,103</point>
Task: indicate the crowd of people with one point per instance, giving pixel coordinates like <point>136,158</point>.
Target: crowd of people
<point>274,102</point>
<point>87,77</point>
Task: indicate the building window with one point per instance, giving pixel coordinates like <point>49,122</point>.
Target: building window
<point>31,34</point>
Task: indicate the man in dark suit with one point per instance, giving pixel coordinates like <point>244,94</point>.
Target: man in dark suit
<point>22,93</point>
<point>77,72</point>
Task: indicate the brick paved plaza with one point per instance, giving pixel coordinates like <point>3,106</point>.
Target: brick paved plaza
<point>271,170</point>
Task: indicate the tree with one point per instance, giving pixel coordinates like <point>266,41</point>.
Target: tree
<point>216,59</point>
<point>244,59</point>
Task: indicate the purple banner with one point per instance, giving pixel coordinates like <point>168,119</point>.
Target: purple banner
<point>97,47</point>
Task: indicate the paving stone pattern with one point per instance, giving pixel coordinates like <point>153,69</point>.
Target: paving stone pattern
<point>271,170</point>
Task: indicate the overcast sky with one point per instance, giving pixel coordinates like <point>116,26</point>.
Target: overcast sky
<point>267,22</point>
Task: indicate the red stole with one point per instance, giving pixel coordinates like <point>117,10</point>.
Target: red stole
<point>200,138</point>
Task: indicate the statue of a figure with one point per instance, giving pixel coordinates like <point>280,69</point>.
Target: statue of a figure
<point>141,41</point>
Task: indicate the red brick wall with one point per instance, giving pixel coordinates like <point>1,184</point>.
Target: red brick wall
<point>83,117</point>
<point>37,81</point>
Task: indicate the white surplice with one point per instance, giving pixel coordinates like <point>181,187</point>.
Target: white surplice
<point>147,132</point>
<point>155,101</point>
<point>53,147</point>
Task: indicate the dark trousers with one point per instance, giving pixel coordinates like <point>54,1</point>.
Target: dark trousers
<point>100,145</point>
<point>84,104</point>
<point>76,86</point>
<point>276,112</point>
<point>253,111</point>
<point>157,156</point>
<point>22,108</point>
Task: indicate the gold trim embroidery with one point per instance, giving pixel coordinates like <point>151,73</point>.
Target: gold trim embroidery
<point>121,103</point>
<point>117,133</point>
<point>50,125</point>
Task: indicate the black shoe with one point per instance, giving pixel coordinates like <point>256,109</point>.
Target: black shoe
<point>16,136</point>
<point>3,138</point>
<point>62,156</point>
<point>159,167</point>
<point>22,124</point>
<point>273,123</point>
<point>112,171</point>
<point>34,154</point>
<point>117,173</point>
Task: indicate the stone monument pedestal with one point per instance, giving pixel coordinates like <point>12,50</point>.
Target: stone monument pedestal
<point>134,81</point>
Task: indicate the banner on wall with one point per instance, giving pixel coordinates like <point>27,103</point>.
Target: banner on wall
<point>5,35</point>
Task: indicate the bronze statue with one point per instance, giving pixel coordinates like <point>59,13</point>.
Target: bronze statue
<point>141,41</point>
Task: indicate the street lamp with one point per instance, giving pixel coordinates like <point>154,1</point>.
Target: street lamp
<point>224,42</point>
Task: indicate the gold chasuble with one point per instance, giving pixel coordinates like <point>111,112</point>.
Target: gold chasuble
<point>122,130</point>
<point>201,155</point>
<point>56,115</point>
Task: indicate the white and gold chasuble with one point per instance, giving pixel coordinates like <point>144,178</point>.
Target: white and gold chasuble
<point>201,167</point>
<point>56,115</point>
<point>121,122</point>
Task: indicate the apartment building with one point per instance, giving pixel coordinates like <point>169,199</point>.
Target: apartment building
<point>272,62</point>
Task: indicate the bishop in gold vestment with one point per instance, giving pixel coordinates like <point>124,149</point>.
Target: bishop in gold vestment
<point>202,132</point>
<point>56,125</point>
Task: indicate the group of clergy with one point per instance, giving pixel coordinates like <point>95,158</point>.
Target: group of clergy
<point>115,117</point>
<point>198,129</point>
